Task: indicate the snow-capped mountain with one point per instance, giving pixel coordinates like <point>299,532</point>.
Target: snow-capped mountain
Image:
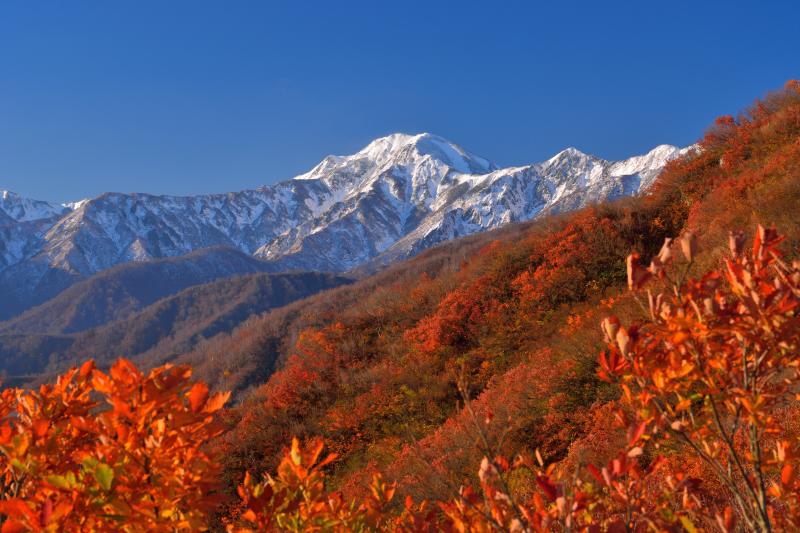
<point>397,196</point>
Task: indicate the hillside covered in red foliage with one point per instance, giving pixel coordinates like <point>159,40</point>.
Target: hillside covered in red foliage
<point>514,327</point>
<point>626,367</point>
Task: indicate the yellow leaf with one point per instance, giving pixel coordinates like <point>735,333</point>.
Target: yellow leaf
<point>688,525</point>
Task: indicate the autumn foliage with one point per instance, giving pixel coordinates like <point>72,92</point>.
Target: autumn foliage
<point>471,397</point>
<point>706,377</point>
<point>117,451</point>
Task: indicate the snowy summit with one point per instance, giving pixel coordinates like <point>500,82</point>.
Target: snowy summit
<point>397,196</point>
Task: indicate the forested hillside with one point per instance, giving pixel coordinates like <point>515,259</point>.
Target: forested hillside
<point>626,367</point>
<point>516,323</point>
<point>156,332</point>
<point>119,292</point>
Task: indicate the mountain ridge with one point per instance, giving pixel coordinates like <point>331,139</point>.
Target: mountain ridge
<point>125,289</point>
<point>397,196</point>
<point>165,326</point>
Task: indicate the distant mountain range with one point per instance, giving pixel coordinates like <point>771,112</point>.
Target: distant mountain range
<point>397,196</point>
<point>84,322</point>
<point>123,290</point>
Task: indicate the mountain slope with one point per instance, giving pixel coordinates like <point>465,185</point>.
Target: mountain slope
<point>170,325</point>
<point>396,197</point>
<point>119,292</point>
<point>383,373</point>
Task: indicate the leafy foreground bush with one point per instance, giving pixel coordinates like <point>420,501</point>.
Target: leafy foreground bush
<point>709,384</point>
<point>116,451</point>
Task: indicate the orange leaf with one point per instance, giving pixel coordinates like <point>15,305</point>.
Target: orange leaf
<point>216,402</point>
<point>15,507</point>
<point>40,427</point>
<point>86,368</point>
<point>198,395</point>
<point>13,526</point>
<point>123,370</point>
<point>787,475</point>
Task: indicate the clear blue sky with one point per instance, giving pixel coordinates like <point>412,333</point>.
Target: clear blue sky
<point>191,97</point>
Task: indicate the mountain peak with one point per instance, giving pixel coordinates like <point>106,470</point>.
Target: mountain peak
<point>568,152</point>
<point>392,147</point>
<point>403,149</point>
<point>389,146</point>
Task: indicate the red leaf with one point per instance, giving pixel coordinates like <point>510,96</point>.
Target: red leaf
<point>595,473</point>
<point>550,490</point>
<point>636,434</point>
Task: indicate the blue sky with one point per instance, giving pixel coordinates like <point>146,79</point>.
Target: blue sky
<point>191,97</point>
